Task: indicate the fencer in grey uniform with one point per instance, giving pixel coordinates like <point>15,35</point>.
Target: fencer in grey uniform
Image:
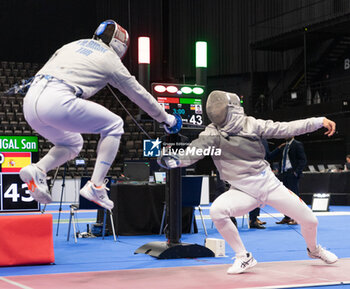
<point>56,106</point>
<point>242,164</point>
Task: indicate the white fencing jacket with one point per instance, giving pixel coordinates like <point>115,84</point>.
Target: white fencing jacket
<point>89,65</point>
<point>240,142</point>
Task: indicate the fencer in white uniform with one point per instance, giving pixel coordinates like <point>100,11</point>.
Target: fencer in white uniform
<point>242,164</point>
<point>56,106</point>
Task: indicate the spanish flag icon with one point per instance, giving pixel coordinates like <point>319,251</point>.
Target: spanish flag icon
<point>13,162</point>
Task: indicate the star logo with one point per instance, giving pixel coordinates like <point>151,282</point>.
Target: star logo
<point>151,148</point>
<point>156,143</point>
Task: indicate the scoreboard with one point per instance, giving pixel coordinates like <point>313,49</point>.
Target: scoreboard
<point>183,99</point>
<point>16,152</point>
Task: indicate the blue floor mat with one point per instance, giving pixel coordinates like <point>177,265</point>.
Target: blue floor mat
<point>275,243</point>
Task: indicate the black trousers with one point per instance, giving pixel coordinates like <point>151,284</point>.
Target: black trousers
<point>253,215</point>
<point>291,181</point>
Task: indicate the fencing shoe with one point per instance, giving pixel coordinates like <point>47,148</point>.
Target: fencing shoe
<point>36,182</point>
<point>97,195</point>
<point>321,253</point>
<point>242,263</point>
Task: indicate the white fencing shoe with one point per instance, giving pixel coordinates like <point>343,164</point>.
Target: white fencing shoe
<point>242,263</point>
<point>97,195</point>
<point>35,179</point>
<point>321,253</point>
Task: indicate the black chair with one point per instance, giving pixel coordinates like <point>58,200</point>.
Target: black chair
<point>87,205</point>
<point>191,187</point>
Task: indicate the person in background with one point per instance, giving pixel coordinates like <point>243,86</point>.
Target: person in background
<point>292,165</point>
<point>347,163</point>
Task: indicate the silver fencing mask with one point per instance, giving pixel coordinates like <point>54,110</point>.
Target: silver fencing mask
<point>219,104</point>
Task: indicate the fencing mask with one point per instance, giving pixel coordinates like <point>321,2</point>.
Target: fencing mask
<point>220,103</point>
<point>114,36</point>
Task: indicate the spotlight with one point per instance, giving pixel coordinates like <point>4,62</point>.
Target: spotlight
<point>320,202</point>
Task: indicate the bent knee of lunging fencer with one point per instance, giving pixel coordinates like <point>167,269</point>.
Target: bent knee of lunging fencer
<point>115,127</point>
<point>309,222</point>
<point>218,213</point>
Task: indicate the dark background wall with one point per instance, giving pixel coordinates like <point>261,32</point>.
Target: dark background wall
<point>252,45</point>
<point>32,29</point>
<point>35,28</point>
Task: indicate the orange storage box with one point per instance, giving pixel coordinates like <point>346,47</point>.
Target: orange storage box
<point>26,240</point>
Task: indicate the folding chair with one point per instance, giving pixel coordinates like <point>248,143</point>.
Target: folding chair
<point>87,205</point>
<point>246,216</point>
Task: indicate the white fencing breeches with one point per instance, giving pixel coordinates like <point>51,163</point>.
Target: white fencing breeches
<point>261,189</point>
<point>52,109</point>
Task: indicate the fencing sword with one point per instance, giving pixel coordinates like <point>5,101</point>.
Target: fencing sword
<point>136,122</point>
<point>123,106</point>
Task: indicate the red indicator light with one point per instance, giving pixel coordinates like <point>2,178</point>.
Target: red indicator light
<point>160,88</point>
<point>144,50</point>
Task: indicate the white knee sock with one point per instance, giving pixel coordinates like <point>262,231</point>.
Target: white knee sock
<point>106,152</point>
<point>230,233</point>
<point>56,156</point>
<point>309,232</point>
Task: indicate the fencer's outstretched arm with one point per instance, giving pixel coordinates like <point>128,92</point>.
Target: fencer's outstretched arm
<point>329,125</point>
<point>128,85</point>
<point>270,129</point>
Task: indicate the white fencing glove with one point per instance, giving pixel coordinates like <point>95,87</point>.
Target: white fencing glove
<point>176,125</point>
<point>169,162</point>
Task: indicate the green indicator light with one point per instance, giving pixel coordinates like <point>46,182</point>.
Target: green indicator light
<point>190,101</point>
<point>201,54</point>
<point>186,90</point>
<point>198,90</point>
